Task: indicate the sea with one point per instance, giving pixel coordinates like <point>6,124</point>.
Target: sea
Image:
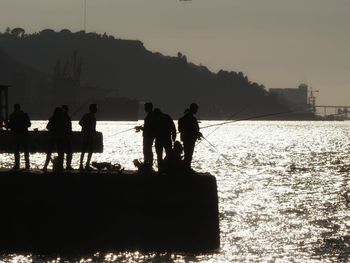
<point>283,190</point>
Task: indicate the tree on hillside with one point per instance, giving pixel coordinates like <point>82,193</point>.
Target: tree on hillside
<point>18,32</point>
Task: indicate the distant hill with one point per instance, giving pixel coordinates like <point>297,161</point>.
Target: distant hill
<point>126,68</point>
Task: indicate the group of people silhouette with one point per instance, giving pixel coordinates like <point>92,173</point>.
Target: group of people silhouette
<point>158,129</point>
<point>60,136</point>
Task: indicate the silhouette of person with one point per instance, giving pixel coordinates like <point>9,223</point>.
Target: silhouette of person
<point>173,162</point>
<point>19,123</point>
<point>57,127</point>
<point>148,134</point>
<point>2,123</point>
<point>67,137</point>
<point>165,134</point>
<point>88,129</point>
<point>189,133</point>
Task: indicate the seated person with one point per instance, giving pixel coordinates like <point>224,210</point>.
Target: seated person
<point>174,163</point>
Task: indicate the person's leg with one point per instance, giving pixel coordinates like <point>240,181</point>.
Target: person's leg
<point>159,151</point>
<point>188,152</point>
<point>168,146</point>
<point>69,153</point>
<point>16,151</point>
<point>16,166</point>
<point>87,165</point>
<point>26,151</point>
<point>90,151</point>
<point>69,161</point>
<point>60,153</point>
<point>83,151</point>
<point>147,150</point>
<point>81,159</point>
<point>48,155</point>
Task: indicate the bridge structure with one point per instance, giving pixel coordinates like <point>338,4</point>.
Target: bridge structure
<point>327,110</point>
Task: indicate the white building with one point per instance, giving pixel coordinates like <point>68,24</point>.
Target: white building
<point>297,98</point>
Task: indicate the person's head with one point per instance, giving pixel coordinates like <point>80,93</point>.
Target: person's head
<point>65,108</point>
<point>178,148</point>
<point>157,111</point>
<point>17,107</point>
<point>193,108</point>
<point>58,112</point>
<point>148,107</point>
<point>93,108</point>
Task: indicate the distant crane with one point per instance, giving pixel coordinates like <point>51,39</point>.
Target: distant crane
<point>312,100</point>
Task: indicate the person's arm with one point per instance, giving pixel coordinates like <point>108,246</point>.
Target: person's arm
<point>82,121</point>
<point>49,125</point>
<point>173,129</point>
<point>138,128</point>
<point>9,123</point>
<point>179,125</point>
<point>199,134</point>
<point>70,125</point>
<point>28,121</point>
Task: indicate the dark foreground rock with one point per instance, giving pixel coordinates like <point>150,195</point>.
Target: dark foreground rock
<point>86,212</point>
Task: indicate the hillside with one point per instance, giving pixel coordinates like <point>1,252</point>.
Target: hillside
<point>127,68</point>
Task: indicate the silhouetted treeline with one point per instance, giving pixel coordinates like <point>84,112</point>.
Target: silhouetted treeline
<point>125,67</point>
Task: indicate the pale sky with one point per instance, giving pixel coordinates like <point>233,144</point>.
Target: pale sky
<point>278,43</point>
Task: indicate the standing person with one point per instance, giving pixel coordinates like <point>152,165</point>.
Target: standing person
<point>57,129</point>
<point>165,134</point>
<point>19,123</point>
<point>148,134</point>
<point>189,130</point>
<point>88,129</point>
<point>67,137</point>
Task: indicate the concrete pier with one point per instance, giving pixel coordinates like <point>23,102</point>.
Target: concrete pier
<point>80,212</point>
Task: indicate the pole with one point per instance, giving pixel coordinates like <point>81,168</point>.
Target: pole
<point>85,15</point>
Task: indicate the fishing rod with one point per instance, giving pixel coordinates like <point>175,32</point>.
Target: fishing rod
<point>79,108</point>
<point>221,124</point>
<point>233,115</point>
<point>246,119</point>
<point>86,102</point>
<point>120,132</point>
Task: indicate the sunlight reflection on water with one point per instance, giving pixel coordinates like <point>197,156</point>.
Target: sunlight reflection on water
<point>283,190</point>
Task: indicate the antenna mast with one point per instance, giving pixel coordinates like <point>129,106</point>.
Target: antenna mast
<point>85,15</point>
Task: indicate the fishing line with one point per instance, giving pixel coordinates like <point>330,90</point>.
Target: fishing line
<point>120,132</point>
<point>221,124</point>
<point>249,118</point>
<point>216,149</point>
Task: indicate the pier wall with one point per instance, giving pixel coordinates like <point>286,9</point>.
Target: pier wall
<point>80,212</point>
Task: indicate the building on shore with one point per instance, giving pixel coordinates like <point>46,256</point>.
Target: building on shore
<point>296,98</point>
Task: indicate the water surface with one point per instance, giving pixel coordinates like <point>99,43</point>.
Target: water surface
<point>283,190</point>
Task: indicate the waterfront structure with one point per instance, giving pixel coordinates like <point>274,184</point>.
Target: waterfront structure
<point>297,98</point>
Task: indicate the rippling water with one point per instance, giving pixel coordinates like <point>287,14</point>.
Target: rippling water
<point>283,190</point>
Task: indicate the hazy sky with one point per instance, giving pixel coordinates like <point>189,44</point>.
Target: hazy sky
<point>278,43</point>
